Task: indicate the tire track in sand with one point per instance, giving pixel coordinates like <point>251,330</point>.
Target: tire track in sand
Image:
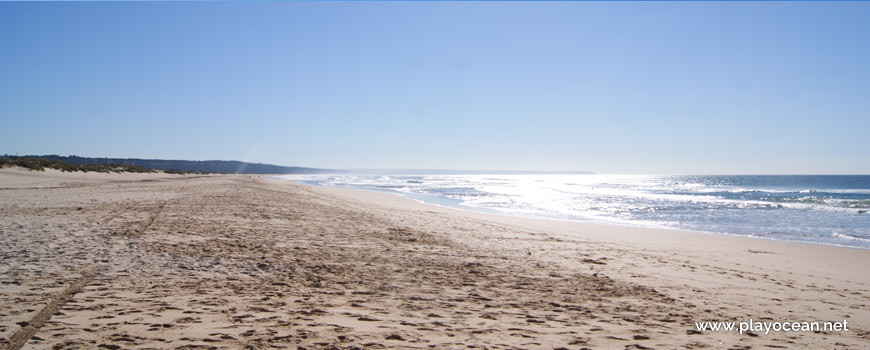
<point>157,212</point>
<point>147,223</point>
<point>23,334</point>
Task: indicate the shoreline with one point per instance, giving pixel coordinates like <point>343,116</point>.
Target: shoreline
<point>740,256</point>
<point>564,225</point>
<point>465,208</point>
<point>230,261</point>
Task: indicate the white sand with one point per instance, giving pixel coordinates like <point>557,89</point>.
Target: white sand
<point>238,261</point>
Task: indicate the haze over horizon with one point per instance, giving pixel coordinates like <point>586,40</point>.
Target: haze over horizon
<point>636,88</point>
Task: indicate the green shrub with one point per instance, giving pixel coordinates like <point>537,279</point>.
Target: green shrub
<point>40,164</point>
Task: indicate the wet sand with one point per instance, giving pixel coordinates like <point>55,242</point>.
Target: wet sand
<point>128,261</point>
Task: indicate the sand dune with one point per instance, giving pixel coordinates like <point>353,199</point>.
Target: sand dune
<point>169,261</point>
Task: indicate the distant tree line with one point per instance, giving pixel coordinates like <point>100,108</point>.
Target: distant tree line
<point>40,164</point>
<point>76,163</point>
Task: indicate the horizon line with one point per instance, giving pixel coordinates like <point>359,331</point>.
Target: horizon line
<point>449,171</point>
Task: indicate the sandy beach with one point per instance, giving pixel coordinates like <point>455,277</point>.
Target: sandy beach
<point>136,261</point>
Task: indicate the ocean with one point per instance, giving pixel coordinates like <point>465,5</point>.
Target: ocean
<point>818,209</point>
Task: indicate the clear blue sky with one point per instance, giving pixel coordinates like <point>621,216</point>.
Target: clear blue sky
<point>638,87</point>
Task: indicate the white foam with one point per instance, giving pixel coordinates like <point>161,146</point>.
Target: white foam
<point>651,201</point>
<point>840,235</point>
